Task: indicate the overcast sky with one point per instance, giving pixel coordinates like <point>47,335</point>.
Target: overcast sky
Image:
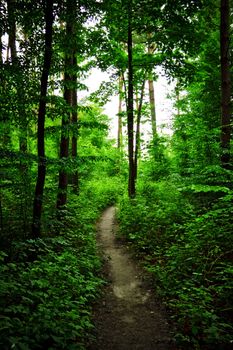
<point>164,105</point>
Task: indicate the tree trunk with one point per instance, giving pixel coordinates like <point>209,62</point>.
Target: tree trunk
<point>1,46</point>
<point>68,96</point>
<point>64,144</point>
<point>151,50</point>
<point>130,107</point>
<point>225,84</point>
<point>119,131</point>
<point>75,178</point>
<point>20,91</point>
<point>20,110</point>
<point>138,133</point>
<point>152,107</point>
<point>12,30</point>
<point>38,199</point>
<point>177,92</point>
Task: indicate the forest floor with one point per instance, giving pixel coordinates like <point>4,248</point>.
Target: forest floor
<point>128,316</point>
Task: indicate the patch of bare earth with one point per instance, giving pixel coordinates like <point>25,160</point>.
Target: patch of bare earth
<point>128,317</point>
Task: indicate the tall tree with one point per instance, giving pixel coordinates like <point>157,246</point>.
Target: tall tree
<point>75,178</point>
<point>225,83</point>
<point>12,55</point>
<point>69,96</point>
<point>138,132</point>
<point>130,106</point>
<point>119,130</point>
<point>12,30</point>
<point>41,172</point>
<point>151,49</point>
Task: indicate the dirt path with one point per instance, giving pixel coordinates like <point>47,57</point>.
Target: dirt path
<point>128,317</point>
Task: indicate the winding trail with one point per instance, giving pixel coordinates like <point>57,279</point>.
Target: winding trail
<point>128,317</point>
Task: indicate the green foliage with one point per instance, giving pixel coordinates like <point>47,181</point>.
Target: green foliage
<point>181,225</point>
<point>47,285</point>
<point>153,216</point>
<point>188,250</point>
<point>158,164</point>
<point>46,301</point>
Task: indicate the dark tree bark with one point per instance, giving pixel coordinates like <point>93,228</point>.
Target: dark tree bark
<point>68,96</point>
<point>38,199</point>
<point>225,84</point>
<point>75,177</point>
<point>64,144</point>
<point>12,30</point>
<point>130,107</point>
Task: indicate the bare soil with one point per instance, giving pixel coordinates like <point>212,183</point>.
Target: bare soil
<point>129,316</point>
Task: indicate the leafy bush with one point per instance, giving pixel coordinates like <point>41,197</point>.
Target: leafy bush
<point>190,255</point>
<point>49,284</point>
<point>46,302</point>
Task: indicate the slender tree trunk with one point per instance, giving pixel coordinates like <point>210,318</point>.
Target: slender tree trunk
<point>119,131</point>
<point>64,144</point>
<point>20,111</point>
<point>14,60</point>
<point>12,30</point>
<point>68,96</point>
<point>225,84</point>
<point>138,133</point>
<point>130,107</point>
<point>1,47</point>
<point>38,199</point>
<point>10,57</point>
<point>151,50</point>
<point>1,213</point>
<point>75,178</point>
<point>152,107</point>
<point>177,92</point>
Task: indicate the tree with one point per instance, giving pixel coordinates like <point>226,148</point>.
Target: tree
<point>70,97</point>
<point>138,124</point>
<point>130,105</point>
<point>75,179</point>
<point>119,130</point>
<point>226,116</point>
<point>12,30</point>
<point>151,50</point>
<point>41,172</point>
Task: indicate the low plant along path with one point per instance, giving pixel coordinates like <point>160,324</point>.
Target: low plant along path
<point>128,317</point>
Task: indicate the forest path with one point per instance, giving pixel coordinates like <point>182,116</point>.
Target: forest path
<point>128,317</point>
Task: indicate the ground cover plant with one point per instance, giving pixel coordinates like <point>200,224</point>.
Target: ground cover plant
<point>189,253</point>
<point>49,284</point>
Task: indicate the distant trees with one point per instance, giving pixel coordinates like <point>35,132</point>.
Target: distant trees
<point>130,38</point>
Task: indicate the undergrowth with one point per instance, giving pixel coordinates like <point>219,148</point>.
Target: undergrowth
<point>189,251</point>
<point>48,284</point>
